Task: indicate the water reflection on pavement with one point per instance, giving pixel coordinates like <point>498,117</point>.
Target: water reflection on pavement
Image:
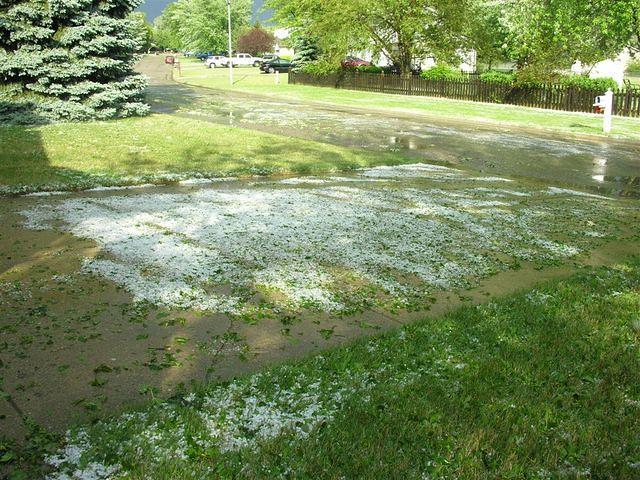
<point>603,165</point>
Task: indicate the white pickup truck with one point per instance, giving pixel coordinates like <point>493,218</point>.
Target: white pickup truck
<point>246,60</point>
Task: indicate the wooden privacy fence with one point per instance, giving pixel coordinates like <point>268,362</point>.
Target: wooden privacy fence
<point>551,97</point>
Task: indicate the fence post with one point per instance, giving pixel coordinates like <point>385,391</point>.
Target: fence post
<point>627,102</point>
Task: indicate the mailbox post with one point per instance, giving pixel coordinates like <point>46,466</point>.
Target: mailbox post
<point>604,103</point>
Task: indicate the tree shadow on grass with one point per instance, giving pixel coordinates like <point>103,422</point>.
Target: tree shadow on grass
<point>169,98</point>
<point>22,152</point>
<point>272,155</point>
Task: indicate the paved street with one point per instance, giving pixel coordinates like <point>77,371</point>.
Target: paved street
<point>598,164</point>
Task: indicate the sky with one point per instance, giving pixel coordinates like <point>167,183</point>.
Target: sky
<point>153,8</point>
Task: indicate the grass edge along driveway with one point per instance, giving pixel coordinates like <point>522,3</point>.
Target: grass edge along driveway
<point>159,149</point>
<point>507,116</point>
<point>540,384</point>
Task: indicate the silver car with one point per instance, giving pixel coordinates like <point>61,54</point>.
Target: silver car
<point>216,61</point>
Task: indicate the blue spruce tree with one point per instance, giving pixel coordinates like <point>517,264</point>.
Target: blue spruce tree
<point>68,60</point>
<point>307,52</point>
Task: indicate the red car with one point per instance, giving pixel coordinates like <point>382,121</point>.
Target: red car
<point>352,62</point>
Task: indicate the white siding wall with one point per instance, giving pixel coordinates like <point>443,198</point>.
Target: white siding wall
<point>282,34</point>
<point>613,68</point>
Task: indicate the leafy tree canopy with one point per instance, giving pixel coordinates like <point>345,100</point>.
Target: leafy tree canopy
<point>545,35</point>
<point>256,41</point>
<point>542,36</point>
<point>166,33</point>
<point>201,25</point>
<point>142,30</point>
<point>402,30</point>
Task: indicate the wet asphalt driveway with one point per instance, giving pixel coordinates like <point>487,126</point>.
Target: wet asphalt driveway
<point>598,164</point>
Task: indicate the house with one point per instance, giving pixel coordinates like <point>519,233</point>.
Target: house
<point>614,68</point>
<point>283,45</point>
<point>468,60</point>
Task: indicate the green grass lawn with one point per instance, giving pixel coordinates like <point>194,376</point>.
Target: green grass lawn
<point>249,80</point>
<point>540,384</point>
<point>155,149</point>
<point>634,78</point>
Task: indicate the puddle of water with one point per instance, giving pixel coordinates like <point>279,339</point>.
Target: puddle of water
<point>311,261</point>
<point>604,166</point>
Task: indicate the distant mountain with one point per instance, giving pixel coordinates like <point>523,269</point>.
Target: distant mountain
<point>153,9</point>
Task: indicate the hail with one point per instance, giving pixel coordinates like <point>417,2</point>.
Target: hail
<point>402,236</point>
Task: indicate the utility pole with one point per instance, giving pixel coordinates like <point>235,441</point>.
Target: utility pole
<point>230,44</point>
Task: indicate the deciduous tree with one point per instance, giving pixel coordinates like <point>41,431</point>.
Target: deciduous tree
<point>487,34</point>
<point>402,30</point>
<point>201,25</point>
<point>142,30</point>
<point>166,29</point>
<point>547,35</point>
<point>256,41</point>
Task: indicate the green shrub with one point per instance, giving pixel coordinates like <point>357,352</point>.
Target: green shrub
<point>498,77</point>
<point>320,67</point>
<point>442,72</point>
<point>634,67</point>
<point>586,83</point>
<point>528,78</point>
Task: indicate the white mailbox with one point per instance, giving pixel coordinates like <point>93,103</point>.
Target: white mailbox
<point>604,104</point>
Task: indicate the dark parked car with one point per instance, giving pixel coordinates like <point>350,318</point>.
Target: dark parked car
<point>278,65</point>
<point>203,56</point>
<point>352,62</point>
<point>269,57</point>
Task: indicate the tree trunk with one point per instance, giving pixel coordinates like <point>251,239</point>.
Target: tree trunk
<point>404,59</point>
<point>406,69</point>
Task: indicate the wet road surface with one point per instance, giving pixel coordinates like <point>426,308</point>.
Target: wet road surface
<point>598,164</point>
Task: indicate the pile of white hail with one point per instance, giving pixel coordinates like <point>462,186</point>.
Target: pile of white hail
<point>404,230</point>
